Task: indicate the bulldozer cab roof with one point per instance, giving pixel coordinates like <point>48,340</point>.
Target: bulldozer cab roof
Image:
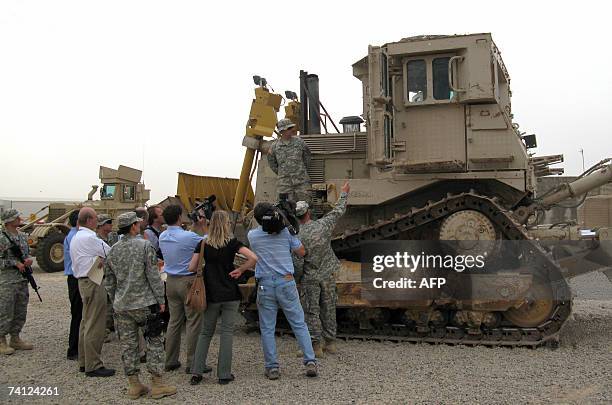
<point>423,44</point>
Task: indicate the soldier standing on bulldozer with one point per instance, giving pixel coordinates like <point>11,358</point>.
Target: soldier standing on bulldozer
<point>318,285</point>
<point>289,158</point>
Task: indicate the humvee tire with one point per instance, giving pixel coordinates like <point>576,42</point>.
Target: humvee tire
<point>50,252</point>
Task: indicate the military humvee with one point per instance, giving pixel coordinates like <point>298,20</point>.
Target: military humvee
<point>121,191</point>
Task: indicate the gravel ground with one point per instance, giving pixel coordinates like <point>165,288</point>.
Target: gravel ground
<point>580,371</point>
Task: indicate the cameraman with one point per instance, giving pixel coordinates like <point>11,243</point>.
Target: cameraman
<point>276,287</point>
<point>134,286</point>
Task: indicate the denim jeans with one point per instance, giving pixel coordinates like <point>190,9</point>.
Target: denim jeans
<point>227,311</point>
<point>274,293</point>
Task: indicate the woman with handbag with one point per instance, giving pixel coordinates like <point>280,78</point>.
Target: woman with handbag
<point>222,293</point>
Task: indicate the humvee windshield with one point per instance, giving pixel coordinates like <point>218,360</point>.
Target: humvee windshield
<point>129,193</point>
<point>108,192</point>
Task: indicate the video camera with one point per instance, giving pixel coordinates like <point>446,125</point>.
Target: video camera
<point>206,206</point>
<point>155,323</point>
<point>282,215</point>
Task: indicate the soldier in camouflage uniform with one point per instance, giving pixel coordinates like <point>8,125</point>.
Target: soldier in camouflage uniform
<point>134,285</point>
<point>289,158</point>
<point>14,293</point>
<point>105,232</point>
<point>318,285</point>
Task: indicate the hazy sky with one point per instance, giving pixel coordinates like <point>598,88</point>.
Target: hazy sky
<point>89,83</point>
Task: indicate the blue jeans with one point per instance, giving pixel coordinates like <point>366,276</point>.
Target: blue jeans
<point>272,293</point>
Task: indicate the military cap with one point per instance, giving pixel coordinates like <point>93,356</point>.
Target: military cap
<point>284,124</point>
<point>301,208</point>
<point>127,219</point>
<point>9,215</point>
<point>103,219</point>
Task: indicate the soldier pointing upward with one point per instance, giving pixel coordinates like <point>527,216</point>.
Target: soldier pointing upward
<point>320,265</point>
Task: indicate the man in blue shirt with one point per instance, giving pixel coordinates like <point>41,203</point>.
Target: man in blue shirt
<point>177,246</point>
<point>276,288</point>
<point>76,304</point>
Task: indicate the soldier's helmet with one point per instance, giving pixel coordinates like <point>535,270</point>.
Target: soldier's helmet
<point>103,219</point>
<point>284,124</point>
<point>126,219</point>
<point>301,208</point>
<point>9,215</point>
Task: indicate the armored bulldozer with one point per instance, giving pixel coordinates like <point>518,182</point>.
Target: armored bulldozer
<point>441,159</point>
<point>121,191</point>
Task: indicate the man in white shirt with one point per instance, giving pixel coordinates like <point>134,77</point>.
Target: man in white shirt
<point>85,248</point>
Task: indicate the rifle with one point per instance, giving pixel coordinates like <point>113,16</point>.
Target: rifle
<point>27,273</point>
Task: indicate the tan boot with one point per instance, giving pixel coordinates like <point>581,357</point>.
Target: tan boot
<point>330,346</point>
<point>4,348</point>
<point>159,389</point>
<point>18,344</point>
<point>136,389</point>
<point>318,349</point>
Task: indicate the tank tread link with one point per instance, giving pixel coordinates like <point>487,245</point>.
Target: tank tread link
<point>547,332</point>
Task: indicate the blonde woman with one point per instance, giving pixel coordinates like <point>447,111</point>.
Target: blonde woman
<point>222,294</point>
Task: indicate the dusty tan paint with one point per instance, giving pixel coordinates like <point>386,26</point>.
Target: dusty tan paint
<point>471,135</point>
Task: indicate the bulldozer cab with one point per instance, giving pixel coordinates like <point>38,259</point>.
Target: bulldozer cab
<point>439,104</point>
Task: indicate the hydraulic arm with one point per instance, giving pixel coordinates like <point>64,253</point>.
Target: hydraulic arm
<point>262,121</point>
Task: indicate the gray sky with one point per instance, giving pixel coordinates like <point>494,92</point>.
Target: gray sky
<point>86,83</point>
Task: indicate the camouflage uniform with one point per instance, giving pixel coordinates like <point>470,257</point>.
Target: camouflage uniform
<point>14,293</point>
<point>133,283</point>
<point>290,160</point>
<point>110,240</point>
<point>318,285</point>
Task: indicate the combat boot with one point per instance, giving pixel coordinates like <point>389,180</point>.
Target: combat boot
<point>159,389</point>
<point>317,346</point>
<point>136,389</point>
<point>330,346</point>
<point>4,348</point>
<point>18,344</point>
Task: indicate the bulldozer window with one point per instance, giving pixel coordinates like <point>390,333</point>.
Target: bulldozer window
<point>129,193</point>
<point>384,75</point>
<point>388,136</point>
<point>108,192</point>
<point>441,88</point>
<point>416,81</point>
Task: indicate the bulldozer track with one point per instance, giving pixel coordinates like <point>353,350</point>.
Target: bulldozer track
<point>545,333</point>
